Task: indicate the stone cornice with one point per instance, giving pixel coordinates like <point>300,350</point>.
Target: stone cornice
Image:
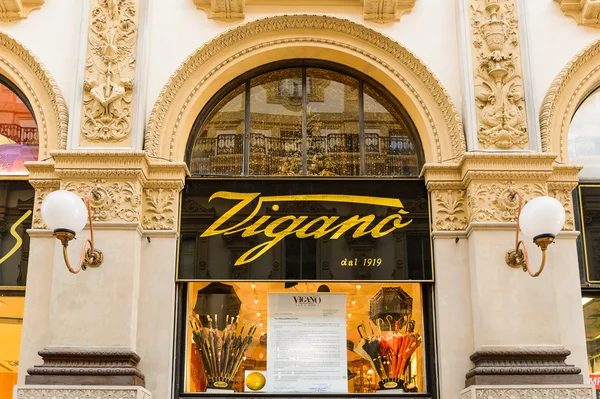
<point>477,188</point>
<point>12,10</point>
<point>585,12</point>
<point>373,10</point>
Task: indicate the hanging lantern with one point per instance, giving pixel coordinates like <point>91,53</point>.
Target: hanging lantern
<point>217,299</point>
<point>391,301</point>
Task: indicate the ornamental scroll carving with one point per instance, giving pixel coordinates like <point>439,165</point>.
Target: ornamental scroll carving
<point>113,201</point>
<point>499,93</point>
<point>546,392</point>
<point>12,10</point>
<point>160,209</point>
<point>449,210</point>
<point>379,11</point>
<point>110,69</point>
<point>585,12</point>
<point>491,202</point>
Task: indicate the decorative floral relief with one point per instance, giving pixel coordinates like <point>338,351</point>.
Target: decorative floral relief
<point>450,214</point>
<point>40,194</point>
<point>111,200</point>
<point>71,393</point>
<point>534,393</point>
<point>491,202</point>
<point>564,197</point>
<point>499,90</point>
<point>159,209</point>
<point>110,69</point>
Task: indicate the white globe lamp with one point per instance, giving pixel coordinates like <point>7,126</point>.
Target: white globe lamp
<point>542,217</point>
<point>64,211</point>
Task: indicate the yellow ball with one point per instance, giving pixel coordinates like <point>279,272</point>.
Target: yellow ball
<point>255,381</point>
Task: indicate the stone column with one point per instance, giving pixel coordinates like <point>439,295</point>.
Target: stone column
<point>93,327</point>
<point>518,332</point>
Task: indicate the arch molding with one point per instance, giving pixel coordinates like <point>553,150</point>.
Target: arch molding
<point>272,39</point>
<point>572,85</point>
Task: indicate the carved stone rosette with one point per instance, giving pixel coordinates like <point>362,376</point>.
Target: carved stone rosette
<point>478,188</point>
<point>499,93</point>
<point>128,186</point>
<point>110,71</point>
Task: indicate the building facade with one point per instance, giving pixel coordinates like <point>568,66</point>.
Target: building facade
<point>240,153</point>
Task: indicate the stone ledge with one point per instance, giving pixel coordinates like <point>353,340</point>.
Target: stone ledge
<point>528,391</point>
<point>75,391</point>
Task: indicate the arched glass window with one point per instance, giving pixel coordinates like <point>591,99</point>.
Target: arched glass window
<point>584,136</point>
<point>304,121</point>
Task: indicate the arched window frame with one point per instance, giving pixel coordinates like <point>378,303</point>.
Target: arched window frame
<point>304,64</point>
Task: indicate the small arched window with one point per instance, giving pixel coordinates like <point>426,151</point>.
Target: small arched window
<point>584,136</point>
<point>306,120</point>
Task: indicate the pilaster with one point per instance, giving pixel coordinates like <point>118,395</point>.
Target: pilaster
<point>518,324</point>
<point>498,92</point>
<point>134,211</point>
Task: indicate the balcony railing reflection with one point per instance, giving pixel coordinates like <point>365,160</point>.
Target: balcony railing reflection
<point>331,154</point>
<point>20,135</point>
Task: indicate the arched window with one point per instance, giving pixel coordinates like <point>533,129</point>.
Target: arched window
<point>307,120</point>
<point>584,136</point>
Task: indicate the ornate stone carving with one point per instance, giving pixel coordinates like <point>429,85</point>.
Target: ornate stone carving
<point>585,12</point>
<point>449,210</point>
<point>114,200</point>
<point>108,85</point>
<point>12,54</point>
<point>223,10</point>
<point>565,198</point>
<point>490,202</point>
<point>529,392</point>
<point>160,209</point>
<point>499,92</point>
<point>12,10</point>
<point>164,109</point>
<point>126,184</point>
<point>62,392</point>
<point>380,11</point>
<point>568,89</point>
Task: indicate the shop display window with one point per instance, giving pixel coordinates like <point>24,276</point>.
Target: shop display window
<point>305,286</point>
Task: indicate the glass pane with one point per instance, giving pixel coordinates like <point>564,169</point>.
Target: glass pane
<point>276,123</point>
<point>389,149</point>
<point>18,134</point>
<point>305,230</point>
<point>584,136</point>
<point>318,338</point>
<point>332,116</point>
<point>219,145</point>
<point>16,205</point>
<point>591,314</point>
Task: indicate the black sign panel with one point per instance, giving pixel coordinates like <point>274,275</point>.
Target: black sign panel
<point>302,229</point>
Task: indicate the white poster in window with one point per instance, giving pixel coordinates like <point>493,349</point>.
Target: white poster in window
<point>306,343</point>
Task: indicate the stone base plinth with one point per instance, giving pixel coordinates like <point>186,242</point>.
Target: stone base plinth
<point>78,391</point>
<point>529,392</point>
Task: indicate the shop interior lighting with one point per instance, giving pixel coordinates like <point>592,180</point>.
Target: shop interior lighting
<point>66,215</point>
<point>541,218</point>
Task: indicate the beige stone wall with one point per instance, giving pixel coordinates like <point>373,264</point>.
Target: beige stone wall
<point>129,302</point>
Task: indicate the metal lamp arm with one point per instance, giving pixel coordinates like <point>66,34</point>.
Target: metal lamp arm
<point>90,257</point>
<point>520,258</point>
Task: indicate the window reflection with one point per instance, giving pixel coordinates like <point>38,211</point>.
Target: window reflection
<point>341,127</point>
<point>18,134</point>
